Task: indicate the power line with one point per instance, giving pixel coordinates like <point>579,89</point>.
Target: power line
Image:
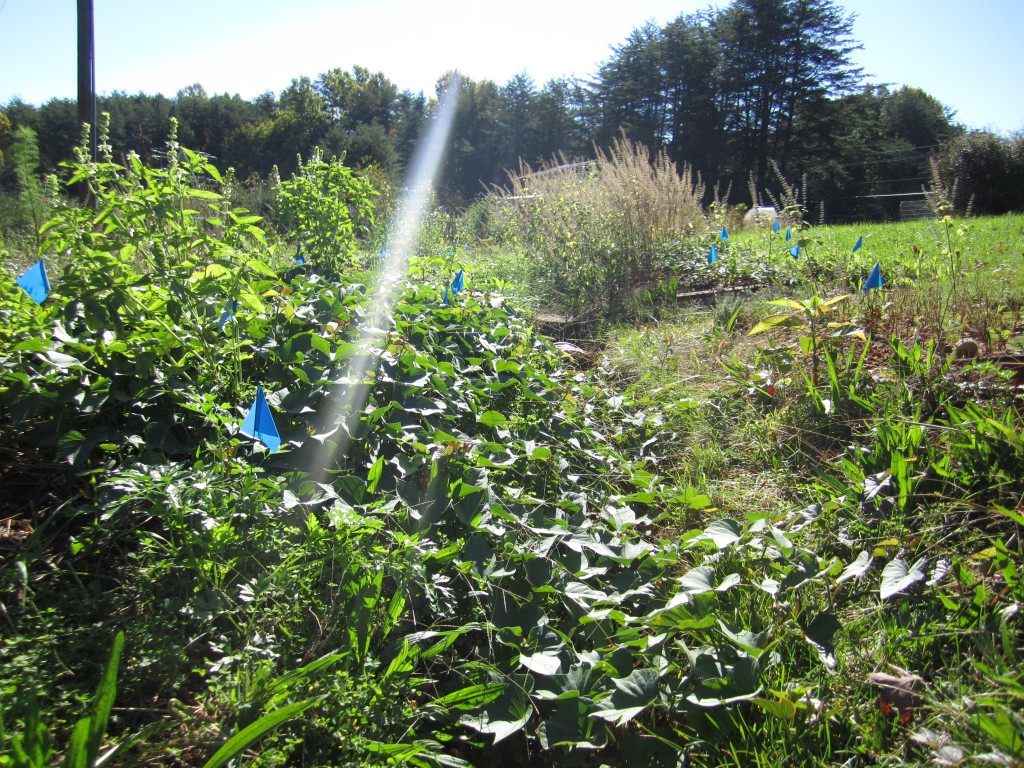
<point>894,194</point>
<point>892,181</point>
<point>898,155</point>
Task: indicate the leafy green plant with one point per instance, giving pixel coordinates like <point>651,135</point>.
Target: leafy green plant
<point>468,548</point>
<point>33,749</point>
<point>324,208</point>
<point>809,316</point>
<point>33,203</point>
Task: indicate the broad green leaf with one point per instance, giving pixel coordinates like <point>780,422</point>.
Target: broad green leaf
<point>791,303</point>
<point>376,471</point>
<point>693,499</point>
<point>896,576</point>
<point>62,361</point>
<point>252,301</point>
<point>583,594</point>
<point>571,725</point>
<point>728,582</point>
<point>211,271</point>
<point>751,642</point>
<point>820,634</point>
<point>397,753</point>
<point>619,517</point>
<point>830,303</point>
<point>492,419</point>
<point>204,194</point>
<point>698,580</point>
<point>69,444</point>
<point>679,615</point>
<point>320,344</point>
<point>264,269</point>
<point>504,716</point>
<point>33,345</point>
<point>723,533</point>
<point>782,708</point>
<point>541,663</point>
<point>702,579</point>
<point>470,697</point>
<point>709,699</point>
<point>214,173</point>
<point>777,321</point>
<point>857,568</point>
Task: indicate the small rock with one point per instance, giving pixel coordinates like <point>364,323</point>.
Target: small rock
<point>965,349</point>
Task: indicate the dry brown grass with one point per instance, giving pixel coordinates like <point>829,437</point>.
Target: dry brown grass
<point>594,228</point>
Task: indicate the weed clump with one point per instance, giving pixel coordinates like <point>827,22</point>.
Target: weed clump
<point>595,231</point>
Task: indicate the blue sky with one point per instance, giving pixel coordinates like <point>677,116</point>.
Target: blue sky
<point>965,54</point>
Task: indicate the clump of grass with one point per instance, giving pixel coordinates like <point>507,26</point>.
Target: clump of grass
<point>592,230</point>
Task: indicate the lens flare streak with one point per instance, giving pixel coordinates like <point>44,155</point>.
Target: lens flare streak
<point>341,410</point>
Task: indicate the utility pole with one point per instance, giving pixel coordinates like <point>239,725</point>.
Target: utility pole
<point>86,81</point>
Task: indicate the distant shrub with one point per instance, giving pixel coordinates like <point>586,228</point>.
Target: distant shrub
<point>988,170</point>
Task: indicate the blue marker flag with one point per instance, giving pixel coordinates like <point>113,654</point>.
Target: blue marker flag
<point>259,423</point>
<point>713,256</point>
<point>229,311</point>
<point>789,233</point>
<point>383,253</point>
<point>775,226</point>
<point>458,283</point>
<point>723,234</point>
<point>858,244</point>
<point>795,251</point>
<point>874,279</point>
<point>444,301</point>
<point>35,282</point>
<point>301,259</point>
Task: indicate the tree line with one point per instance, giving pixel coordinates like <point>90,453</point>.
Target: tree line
<point>743,93</point>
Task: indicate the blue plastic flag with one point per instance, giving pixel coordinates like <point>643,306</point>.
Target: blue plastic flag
<point>858,244</point>
<point>874,279</point>
<point>775,226</point>
<point>458,283</point>
<point>723,234</point>
<point>444,301</point>
<point>383,253</point>
<point>301,259</point>
<point>229,311</point>
<point>789,233</point>
<point>35,282</point>
<point>713,256</point>
<point>795,251</point>
<point>259,423</point>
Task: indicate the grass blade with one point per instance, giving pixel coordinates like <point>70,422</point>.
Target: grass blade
<point>256,731</point>
<point>104,700</point>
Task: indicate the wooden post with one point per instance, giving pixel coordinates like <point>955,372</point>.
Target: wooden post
<point>86,82</point>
